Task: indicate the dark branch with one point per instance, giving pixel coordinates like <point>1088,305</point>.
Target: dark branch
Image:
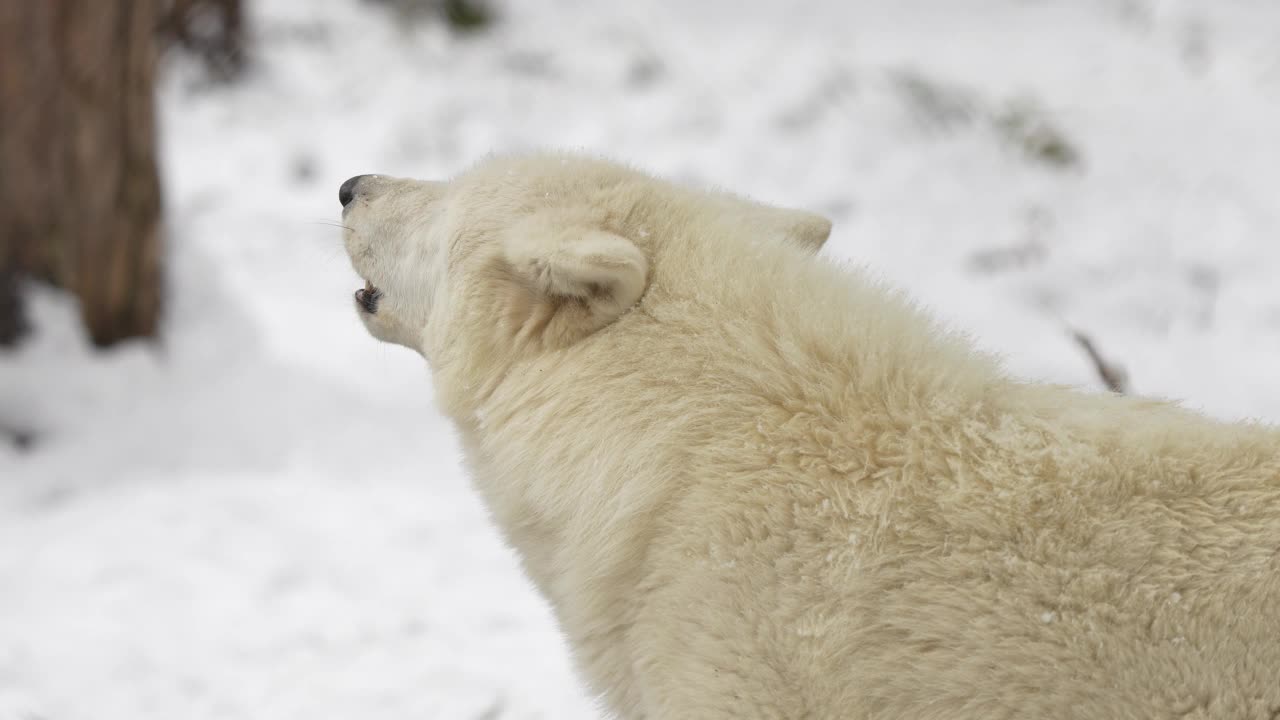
<point>1113,376</point>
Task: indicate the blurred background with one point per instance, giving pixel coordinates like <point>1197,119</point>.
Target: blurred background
<point>219,498</point>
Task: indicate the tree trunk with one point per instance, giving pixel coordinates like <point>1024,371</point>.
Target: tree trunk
<point>77,156</point>
<point>12,319</point>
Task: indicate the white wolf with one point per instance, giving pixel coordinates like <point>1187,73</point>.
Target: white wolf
<point>755,485</point>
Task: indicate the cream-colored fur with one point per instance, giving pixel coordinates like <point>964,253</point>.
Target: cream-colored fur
<point>754,484</point>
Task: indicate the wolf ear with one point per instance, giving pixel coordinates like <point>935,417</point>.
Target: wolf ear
<point>803,229</point>
<point>568,282</point>
<point>806,230</point>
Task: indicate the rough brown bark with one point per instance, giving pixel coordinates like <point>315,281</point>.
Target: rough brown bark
<point>12,319</point>
<point>78,173</point>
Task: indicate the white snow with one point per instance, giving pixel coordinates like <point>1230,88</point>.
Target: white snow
<point>265,518</point>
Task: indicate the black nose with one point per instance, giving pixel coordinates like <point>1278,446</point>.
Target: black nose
<point>348,190</point>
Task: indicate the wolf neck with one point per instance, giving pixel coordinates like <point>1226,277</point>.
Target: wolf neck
<point>831,332</point>
<point>693,370</point>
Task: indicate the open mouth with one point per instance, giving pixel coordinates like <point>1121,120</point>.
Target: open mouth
<point>367,297</point>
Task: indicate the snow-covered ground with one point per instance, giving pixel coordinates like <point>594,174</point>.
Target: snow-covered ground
<point>264,518</point>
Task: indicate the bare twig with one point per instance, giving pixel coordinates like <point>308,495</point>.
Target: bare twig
<point>1112,375</point>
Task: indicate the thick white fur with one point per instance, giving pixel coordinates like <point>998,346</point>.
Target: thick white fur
<point>756,485</point>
